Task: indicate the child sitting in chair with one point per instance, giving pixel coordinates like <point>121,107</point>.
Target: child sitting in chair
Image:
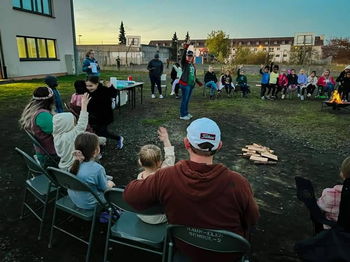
<point>150,158</point>
<point>242,82</point>
<point>329,202</point>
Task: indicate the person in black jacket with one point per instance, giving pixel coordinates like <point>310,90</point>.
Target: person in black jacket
<point>155,68</point>
<point>341,78</point>
<point>210,80</point>
<point>226,81</point>
<point>100,108</point>
<point>292,82</point>
<point>346,86</point>
<point>187,81</point>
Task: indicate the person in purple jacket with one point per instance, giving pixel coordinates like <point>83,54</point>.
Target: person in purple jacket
<point>302,82</point>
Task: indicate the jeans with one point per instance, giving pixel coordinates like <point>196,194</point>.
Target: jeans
<point>186,96</point>
<point>212,86</point>
<point>329,88</point>
<point>228,88</point>
<point>155,80</point>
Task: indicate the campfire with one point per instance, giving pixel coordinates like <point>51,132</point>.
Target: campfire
<point>260,155</point>
<point>336,98</point>
<point>336,102</point>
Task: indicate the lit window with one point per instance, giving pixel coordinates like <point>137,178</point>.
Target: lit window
<point>32,48</point>
<point>42,48</point>
<point>21,45</point>
<point>52,48</point>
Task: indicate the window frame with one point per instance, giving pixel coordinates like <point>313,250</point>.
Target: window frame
<point>37,49</point>
<point>34,2</point>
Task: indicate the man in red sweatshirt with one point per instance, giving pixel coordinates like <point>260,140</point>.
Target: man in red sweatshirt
<point>198,193</point>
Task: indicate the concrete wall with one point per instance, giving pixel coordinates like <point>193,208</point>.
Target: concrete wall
<point>59,27</point>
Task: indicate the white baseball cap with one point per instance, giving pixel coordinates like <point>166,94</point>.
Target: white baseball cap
<point>204,130</point>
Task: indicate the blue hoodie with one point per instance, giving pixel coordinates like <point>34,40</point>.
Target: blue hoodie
<point>302,79</point>
<point>265,77</point>
<point>88,71</point>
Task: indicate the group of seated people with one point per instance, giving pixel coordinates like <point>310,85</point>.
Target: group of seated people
<point>188,189</point>
<point>275,82</point>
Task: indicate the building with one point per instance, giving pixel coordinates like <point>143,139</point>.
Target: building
<point>36,38</point>
<point>279,48</point>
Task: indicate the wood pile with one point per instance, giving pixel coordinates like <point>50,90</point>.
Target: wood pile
<point>260,155</point>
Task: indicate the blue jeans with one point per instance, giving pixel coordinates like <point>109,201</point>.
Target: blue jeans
<point>186,96</point>
<point>244,88</point>
<point>212,86</point>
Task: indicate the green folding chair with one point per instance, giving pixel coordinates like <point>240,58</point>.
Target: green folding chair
<point>129,228</point>
<point>49,161</point>
<point>219,241</point>
<point>40,184</point>
<point>69,181</point>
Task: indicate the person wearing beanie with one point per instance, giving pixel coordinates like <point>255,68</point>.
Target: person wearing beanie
<point>199,193</point>
<point>52,82</point>
<point>340,79</point>
<point>155,68</point>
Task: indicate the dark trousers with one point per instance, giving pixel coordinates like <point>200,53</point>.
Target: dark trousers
<point>228,88</point>
<point>346,91</point>
<point>177,87</point>
<point>273,88</point>
<point>263,89</point>
<point>102,130</point>
<point>244,88</point>
<point>278,89</point>
<point>155,80</point>
<point>309,89</point>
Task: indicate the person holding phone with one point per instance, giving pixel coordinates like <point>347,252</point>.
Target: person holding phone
<point>155,68</point>
<point>90,64</point>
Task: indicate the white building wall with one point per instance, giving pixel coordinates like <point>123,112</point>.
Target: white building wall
<point>59,27</point>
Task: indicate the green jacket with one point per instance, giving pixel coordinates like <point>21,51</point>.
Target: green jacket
<point>241,79</point>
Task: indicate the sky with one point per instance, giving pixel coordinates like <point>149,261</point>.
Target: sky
<point>98,21</point>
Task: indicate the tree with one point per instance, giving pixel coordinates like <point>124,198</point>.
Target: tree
<point>241,56</point>
<point>218,42</point>
<point>174,46</point>
<point>339,48</point>
<point>122,38</point>
<point>302,55</point>
<point>187,37</point>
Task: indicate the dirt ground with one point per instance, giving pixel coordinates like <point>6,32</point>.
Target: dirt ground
<point>284,219</point>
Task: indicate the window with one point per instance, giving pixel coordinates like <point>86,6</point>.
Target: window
<point>277,55</point>
<point>283,42</point>
<point>266,42</point>
<point>248,43</point>
<point>33,48</point>
<point>42,7</point>
<point>240,43</point>
<point>271,49</point>
<point>278,49</point>
<point>257,42</point>
<point>264,48</point>
<point>285,55</point>
<point>276,42</point>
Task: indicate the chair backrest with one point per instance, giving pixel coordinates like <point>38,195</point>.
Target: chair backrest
<point>36,143</point>
<point>114,197</point>
<point>306,194</point>
<point>220,241</point>
<point>70,181</point>
<point>344,209</point>
<point>33,166</point>
<point>163,77</point>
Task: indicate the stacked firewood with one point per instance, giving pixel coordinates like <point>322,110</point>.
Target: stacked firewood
<point>260,155</point>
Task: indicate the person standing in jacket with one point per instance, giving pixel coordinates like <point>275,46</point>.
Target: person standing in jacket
<point>210,81</point>
<point>311,84</point>
<point>192,187</point>
<point>302,82</point>
<point>326,83</point>
<point>155,68</point>
<point>90,64</point>
<point>265,78</point>
<point>100,109</point>
<point>187,81</point>
<point>118,62</point>
<point>52,82</point>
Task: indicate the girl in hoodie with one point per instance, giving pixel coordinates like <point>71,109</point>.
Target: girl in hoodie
<point>302,82</point>
<point>65,132</point>
<point>150,158</point>
<point>176,73</point>
<point>226,81</point>
<point>88,171</point>
<point>326,83</point>
<point>90,64</point>
<point>100,110</point>
<point>283,82</point>
<point>292,81</point>
<point>311,84</point>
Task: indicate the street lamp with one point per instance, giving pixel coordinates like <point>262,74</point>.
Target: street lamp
<point>79,38</point>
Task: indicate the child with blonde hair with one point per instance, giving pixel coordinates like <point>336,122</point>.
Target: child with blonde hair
<point>150,158</point>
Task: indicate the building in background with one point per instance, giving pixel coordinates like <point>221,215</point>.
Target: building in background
<point>36,38</point>
<point>279,48</point>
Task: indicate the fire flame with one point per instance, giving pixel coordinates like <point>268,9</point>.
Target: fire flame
<point>336,98</point>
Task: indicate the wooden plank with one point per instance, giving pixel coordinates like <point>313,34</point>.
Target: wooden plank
<point>261,159</point>
<point>245,149</point>
<point>257,149</point>
<point>264,163</point>
<point>271,156</point>
<point>257,145</point>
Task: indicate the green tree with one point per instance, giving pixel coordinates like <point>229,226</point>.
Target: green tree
<point>122,38</point>
<point>220,57</point>
<point>302,55</point>
<point>174,46</point>
<point>218,42</point>
<point>241,56</point>
<point>187,37</point>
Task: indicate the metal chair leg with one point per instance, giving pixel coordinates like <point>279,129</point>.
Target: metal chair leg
<point>44,211</point>
<point>91,234</point>
<point>23,204</point>
<point>108,235</point>
<point>53,219</point>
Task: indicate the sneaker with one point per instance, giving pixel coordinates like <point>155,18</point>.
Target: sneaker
<point>177,97</point>
<point>301,97</point>
<point>211,97</point>
<point>161,96</point>
<point>190,116</point>
<point>120,143</point>
<point>309,95</point>
<point>185,118</point>
<point>153,96</point>
<point>172,93</point>
<point>283,97</point>
<point>262,98</point>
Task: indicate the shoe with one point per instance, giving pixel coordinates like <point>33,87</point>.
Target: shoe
<point>301,97</point>
<point>309,95</point>
<point>190,116</point>
<point>177,97</point>
<point>185,118</point>
<point>172,93</point>
<point>262,98</point>
<point>283,97</point>
<point>211,97</point>
<point>161,96</point>
<point>153,96</point>
<point>120,143</point>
